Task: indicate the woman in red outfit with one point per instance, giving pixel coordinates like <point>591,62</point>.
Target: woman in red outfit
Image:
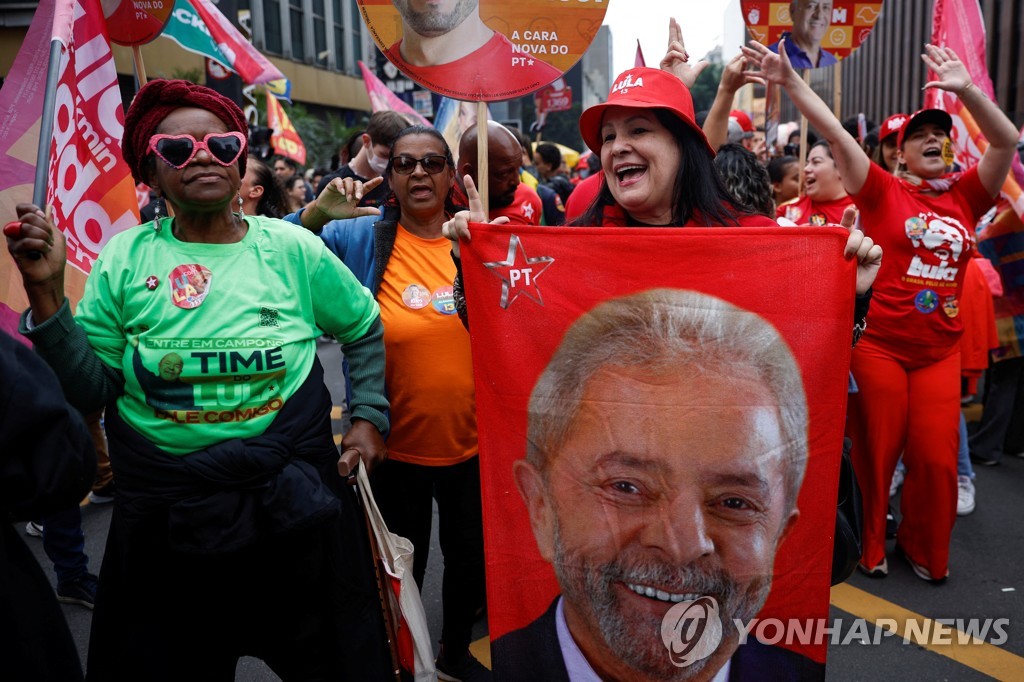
<point>658,167</point>
<point>824,198</point>
<point>907,365</point>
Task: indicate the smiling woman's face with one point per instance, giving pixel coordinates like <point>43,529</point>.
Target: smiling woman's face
<point>641,159</point>
<point>922,151</point>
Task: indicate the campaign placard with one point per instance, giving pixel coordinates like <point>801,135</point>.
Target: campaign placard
<point>818,33</point>
<point>485,50</point>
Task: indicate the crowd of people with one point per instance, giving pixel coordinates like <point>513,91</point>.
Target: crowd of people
<point>197,334</point>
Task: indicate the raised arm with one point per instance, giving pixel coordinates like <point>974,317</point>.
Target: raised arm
<point>716,125</point>
<point>852,162</point>
<point>951,75</point>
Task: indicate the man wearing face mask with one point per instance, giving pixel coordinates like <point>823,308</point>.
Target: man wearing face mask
<point>372,159</point>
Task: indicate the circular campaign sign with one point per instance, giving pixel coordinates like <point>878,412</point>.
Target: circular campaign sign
<point>818,32</point>
<point>136,22</point>
<point>487,50</point>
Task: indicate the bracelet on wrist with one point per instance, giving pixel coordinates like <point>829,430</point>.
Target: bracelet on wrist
<point>963,90</point>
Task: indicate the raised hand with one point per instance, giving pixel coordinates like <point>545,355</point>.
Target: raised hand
<point>676,59</point>
<point>951,73</point>
<point>458,226</point>
<point>340,198</point>
<point>770,67</point>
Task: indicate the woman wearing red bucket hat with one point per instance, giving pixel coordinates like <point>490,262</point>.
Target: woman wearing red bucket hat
<point>658,167</point>
<point>907,366</point>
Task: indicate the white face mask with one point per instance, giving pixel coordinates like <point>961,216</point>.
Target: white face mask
<point>378,164</point>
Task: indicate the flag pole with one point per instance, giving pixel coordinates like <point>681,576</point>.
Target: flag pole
<point>46,124</point>
<point>140,66</point>
<point>483,184</point>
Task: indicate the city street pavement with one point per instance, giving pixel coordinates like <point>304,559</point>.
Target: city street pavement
<point>986,581</point>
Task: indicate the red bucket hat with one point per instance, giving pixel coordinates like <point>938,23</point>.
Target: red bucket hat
<point>919,118</point>
<point>642,88</point>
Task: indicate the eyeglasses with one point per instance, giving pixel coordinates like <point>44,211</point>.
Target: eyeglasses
<point>177,150</point>
<point>432,164</point>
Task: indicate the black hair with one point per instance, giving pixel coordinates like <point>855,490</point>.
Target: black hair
<point>450,207</point>
<point>288,162</point>
<point>700,194</point>
<point>746,178</point>
<point>272,203</point>
<point>550,154</point>
<point>777,167</point>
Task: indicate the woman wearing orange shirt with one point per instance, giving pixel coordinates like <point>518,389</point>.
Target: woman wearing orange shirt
<point>432,447</point>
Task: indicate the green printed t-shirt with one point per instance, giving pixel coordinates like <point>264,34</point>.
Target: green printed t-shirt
<point>214,338</point>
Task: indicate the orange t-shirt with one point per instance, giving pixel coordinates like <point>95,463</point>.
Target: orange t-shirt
<point>429,369</point>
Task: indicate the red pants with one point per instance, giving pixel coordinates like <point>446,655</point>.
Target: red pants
<point>913,409</point>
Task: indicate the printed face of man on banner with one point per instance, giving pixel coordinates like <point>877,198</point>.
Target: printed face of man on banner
<point>486,50</point>
<point>667,442</point>
<point>818,33</point>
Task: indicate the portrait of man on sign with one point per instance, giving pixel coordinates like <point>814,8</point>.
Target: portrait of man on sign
<point>811,20</point>
<point>448,44</point>
<point>667,441</point>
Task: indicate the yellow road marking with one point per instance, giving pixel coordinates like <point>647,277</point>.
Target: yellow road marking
<point>981,656</point>
<point>481,649</point>
<point>335,412</point>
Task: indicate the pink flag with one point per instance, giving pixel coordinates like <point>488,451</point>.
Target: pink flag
<point>638,61</point>
<point>382,99</point>
<point>958,24</point>
<point>245,59</point>
<point>89,185</point>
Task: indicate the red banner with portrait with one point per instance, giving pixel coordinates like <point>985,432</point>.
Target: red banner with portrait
<point>660,417</point>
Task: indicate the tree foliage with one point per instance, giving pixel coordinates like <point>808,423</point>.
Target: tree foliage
<point>704,90</point>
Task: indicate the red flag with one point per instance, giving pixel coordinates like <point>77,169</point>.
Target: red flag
<point>285,138</point>
<point>639,59</point>
<point>526,287</point>
<point>245,60</point>
<point>958,24</point>
<point>382,99</point>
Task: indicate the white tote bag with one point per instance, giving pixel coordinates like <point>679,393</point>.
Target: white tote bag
<point>408,622</point>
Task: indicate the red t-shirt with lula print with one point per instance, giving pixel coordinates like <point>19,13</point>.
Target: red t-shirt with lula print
<point>927,240</point>
<point>804,211</point>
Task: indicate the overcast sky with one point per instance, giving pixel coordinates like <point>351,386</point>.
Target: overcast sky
<point>702,22</point>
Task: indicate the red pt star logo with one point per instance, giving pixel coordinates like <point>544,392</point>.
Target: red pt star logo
<point>518,273</point>
<point>152,282</point>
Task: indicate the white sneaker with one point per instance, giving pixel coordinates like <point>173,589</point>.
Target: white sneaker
<point>33,529</point>
<point>897,481</point>
<point>964,495</point>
